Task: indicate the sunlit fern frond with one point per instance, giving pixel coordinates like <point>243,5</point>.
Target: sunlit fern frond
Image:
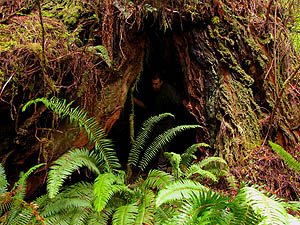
<point>293,205</point>
<point>160,142</point>
<point>273,212</point>
<point>189,154</point>
<point>293,220</point>
<point>143,137</point>
<point>3,180</point>
<point>158,179</point>
<point>145,213</point>
<point>105,186</point>
<point>202,207</point>
<point>125,214</point>
<point>79,117</point>
<point>68,163</point>
<point>286,157</point>
<point>178,191</point>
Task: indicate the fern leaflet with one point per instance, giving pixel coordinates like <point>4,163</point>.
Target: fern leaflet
<point>160,142</point>
<point>143,137</point>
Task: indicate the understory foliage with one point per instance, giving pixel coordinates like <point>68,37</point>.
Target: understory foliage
<point>243,55</point>
<point>179,197</point>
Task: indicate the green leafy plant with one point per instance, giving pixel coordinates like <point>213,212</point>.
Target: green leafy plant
<point>150,147</point>
<point>159,198</point>
<point>64,166</point>
<point>204,206</point>
<point>210,167</point>
<point>286,157</point>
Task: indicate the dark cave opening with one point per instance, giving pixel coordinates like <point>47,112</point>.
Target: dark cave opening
<point>161,58</point>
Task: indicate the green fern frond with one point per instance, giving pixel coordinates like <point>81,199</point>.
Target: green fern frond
<point>158,179</point>
<point>99,219</point>
<point>68,163</point>
<point>125,215</point>
<point>188,156</point>
<point>178,190</point>
<point>22,180</point>
<point>74,205</point>
<point>79,117</point>
<point>196,169</point>
<point>67,218</point>
<point>203,207</point>
<point>22,212</point>
<point>63,205</point>
<point>164,216</point>
<point>3,180</point>
<point>145,213</point>
<point>105,187</point>
<point>143,137</point>
<point>215,165</point>
<point>161,141</point>
<point>287,158</point>
<point>272,211</point>
<point>243,214</point>
<point>23,217</point>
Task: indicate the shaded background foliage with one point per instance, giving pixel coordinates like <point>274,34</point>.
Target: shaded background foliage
<point>234,61</point>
